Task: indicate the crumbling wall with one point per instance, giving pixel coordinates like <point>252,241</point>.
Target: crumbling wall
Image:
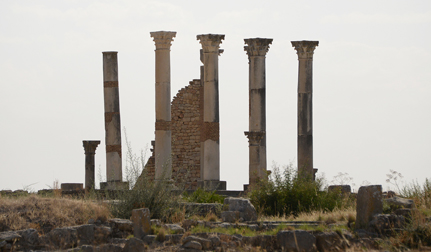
<point>186,120</point>
<point>186,131</point>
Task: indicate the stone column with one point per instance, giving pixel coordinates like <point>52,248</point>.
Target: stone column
<point>112,119</point>
<point>256,50</point>
<point>163,165</point>
<point>210,134</point>
<point>305,50</point>
<point>90,151</point>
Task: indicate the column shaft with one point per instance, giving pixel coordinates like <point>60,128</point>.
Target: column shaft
<point>305,50</point>
<point>163,145</point>
<point>256,50</point>
<point>90,151</point>
<point>210,129</point>
<point>112,117</point>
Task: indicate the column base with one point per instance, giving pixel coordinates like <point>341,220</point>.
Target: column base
<point>212,185</point>
<point>114,185</point>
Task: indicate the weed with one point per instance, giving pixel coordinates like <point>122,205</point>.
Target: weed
<point>202,196</point>
<point>161,235</point>
<point>286,193</point>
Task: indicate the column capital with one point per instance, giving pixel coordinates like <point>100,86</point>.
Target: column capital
<point>210,42</point>
<point>257,46</point>
<point>90,146</point>
<point>305,48</point>
<point>254,137</point>
<point>163,39</point>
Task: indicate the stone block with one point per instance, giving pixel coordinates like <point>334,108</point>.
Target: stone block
<point>296,240</point>
<point>246,210</point>
<point>175,228</point>
<point>141,222</point>
<point>369,203</point>
<point>384,223</point>
<point>329,241</point>
<point>230,216</point>
<point>398,202</point>
<point>134,245</point>
<point>63,237</point>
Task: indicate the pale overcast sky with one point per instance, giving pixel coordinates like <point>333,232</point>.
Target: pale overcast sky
<point>371,81</point>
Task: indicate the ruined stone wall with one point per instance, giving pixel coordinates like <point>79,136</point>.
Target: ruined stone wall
<point>186,123</point>
<point>186,131</point>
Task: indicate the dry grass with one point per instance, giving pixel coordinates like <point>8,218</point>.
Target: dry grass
<point>331,217</point>
<point>45,214</point>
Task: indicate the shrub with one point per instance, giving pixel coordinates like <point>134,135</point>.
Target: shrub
<point>202,196</point>
<point>156,195</point>
<point>286,193</point>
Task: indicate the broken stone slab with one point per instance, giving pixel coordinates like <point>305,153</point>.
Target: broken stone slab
<point>149,239</point>
<point>175,228</point>
<point>121,224</point>
<point>102,233</point>
<point>29,239</point>
<point>66,237</point>
<point>368,203</point>
<point>206,243</point>
<point>9,236</point>
<point>141,222</point>
<point>296,240</point>
<point>243,206</point>
<point>230,216</point>
<point>134,245</point>
<point>398,202</point>
<point>329,241</point>
<point>382,223</point>
<point>85,234</point>
<point>193,245</point>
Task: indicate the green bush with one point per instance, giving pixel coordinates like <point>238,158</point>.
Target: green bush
<point>202,196</point>
<point>286,193</point>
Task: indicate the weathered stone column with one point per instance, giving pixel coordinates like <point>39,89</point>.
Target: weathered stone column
<point>256,50</point>
<point>305,51</point>
<point>210,136</point>
<point>90,151</point>
<point>163,149</point>
<point>112,118</point>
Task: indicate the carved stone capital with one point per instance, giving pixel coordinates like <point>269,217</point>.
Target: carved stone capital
<point>257,46</point>
<point>90,146</point>
<point>254,137</point>
<point>163,39</point>
<point>210,42</point>
<point>304,48</point>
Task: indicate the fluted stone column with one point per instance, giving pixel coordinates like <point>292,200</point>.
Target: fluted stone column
<point>163,166</point>
<point>305,51</point>
<point>210,130</point>
<point>256,49</point>
<point>112,120</point>
<point>90,151</point>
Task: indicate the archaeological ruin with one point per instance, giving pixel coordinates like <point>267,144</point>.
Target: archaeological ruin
<point>186,148</point>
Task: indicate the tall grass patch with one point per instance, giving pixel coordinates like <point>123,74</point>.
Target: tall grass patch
<point>285,193</point>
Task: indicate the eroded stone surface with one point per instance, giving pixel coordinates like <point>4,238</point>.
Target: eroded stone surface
<point>297,240</point>
<point>368,203</point>
<point>141,222</point>
<point>246,210</point>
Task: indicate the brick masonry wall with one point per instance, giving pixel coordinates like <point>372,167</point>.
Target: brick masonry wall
<point>186,122</point>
